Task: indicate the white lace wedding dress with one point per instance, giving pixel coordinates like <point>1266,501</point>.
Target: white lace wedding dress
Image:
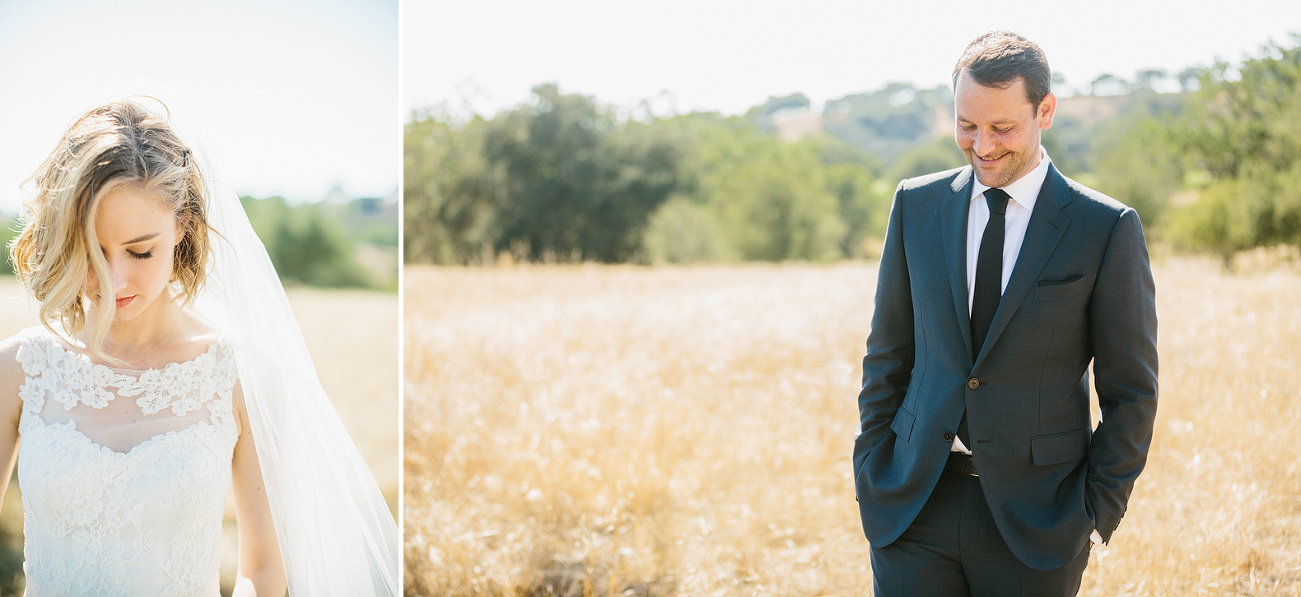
<point>123,473</point>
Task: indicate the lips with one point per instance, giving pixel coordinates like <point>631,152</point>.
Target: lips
<point>123,302</point>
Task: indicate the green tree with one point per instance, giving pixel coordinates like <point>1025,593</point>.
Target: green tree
<point>579,183</point>
<point>315,251</point>
<point>683,231</point>
<point>1241,135</point>
<point>1137,160</point>
<point>1189,78</point>
<point>1142,169</point>
<point>1148,78</point>
<point>1109,84</point>
<point>306,245</point>
<point>8,230</point>
<point>940,153</point>
<point>562,177</point>
<point>772,200</point>
<point>780,212</point>
<point>863,207</point>
<point>451,192</point>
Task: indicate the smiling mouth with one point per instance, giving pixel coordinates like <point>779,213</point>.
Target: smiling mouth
<point>990,161</point>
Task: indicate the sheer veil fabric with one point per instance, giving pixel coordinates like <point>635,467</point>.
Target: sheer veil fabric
<point>336,533</point>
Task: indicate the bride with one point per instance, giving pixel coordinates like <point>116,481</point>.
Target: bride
<point>169,371</point>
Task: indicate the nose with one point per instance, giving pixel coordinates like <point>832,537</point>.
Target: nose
<point>982,144</point>
<point>117,274</point>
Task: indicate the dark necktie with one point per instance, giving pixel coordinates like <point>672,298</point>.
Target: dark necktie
<point>989,282</point>
<point>989,270</point>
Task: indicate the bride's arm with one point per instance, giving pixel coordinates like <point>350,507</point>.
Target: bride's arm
<point>11,408</point>
<point>261,572</point>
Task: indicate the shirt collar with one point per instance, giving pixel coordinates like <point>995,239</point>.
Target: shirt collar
<point>1024,190</point>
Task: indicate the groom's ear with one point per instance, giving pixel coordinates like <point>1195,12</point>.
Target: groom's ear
<point>1047,108</point>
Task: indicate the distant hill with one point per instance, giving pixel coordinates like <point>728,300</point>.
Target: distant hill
<point>370,220</point>
<point>898,118</point>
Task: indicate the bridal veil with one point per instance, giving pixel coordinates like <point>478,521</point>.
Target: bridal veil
<point>335,530</point>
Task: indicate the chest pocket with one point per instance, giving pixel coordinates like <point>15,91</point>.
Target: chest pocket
<point>1056,290</point>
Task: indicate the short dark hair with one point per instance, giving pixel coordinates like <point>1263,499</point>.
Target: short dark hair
<point>999,58</point>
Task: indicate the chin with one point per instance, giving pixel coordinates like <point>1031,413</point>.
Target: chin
<point>124,315</point>
<point>985,176</point>
<point>998,177</point>
<point>995,180</point>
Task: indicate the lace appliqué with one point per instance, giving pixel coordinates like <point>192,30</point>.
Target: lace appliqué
<point>142,522</point>
<point>181,386</point>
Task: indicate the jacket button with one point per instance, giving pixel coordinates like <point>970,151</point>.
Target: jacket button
<point>948,437</point>
<point>973,383</point>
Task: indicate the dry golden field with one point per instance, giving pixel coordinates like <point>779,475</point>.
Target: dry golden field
<point>352,336</point>
<point>593,431</point>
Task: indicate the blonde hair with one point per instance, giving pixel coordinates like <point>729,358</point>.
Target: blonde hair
<point>120,143</point>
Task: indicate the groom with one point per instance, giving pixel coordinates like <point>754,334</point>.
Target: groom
<point>977,468</point>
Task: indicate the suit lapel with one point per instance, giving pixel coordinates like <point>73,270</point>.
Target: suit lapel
<point>1047,225</point>
<point>953,231</point>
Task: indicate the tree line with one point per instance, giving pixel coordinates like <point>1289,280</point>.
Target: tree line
<point>562,178</point>
<point>1220,171</point>
<point>1212,166</point>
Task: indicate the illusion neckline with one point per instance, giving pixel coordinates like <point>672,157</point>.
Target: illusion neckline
<point>114,454</point>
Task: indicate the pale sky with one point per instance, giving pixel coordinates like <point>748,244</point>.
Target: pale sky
<point>729,55</point>
<point>288,98</point>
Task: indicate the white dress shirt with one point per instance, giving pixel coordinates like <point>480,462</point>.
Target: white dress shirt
<point>1024,192</point>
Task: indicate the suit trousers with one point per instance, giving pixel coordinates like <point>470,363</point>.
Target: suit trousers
<point>954,548</point>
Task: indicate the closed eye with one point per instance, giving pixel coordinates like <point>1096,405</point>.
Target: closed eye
<point>145,255</point>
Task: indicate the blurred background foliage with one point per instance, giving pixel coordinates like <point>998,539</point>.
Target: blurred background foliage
<point>334,243</point>
<point>1210,158</point>
<point>565,179</point>
<point>8,230</point>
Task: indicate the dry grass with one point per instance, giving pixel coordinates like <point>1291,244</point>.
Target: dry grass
<point>632,431</point>
<point>353,341</point>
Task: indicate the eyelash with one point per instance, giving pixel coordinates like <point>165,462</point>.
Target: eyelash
<point>145,255</point>
<point>972,128</point>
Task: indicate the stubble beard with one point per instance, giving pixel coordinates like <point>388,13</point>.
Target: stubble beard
<point>1018,162</point>
<point>1016,165</point>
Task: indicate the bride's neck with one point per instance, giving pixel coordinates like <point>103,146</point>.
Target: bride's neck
<point>160,324</point>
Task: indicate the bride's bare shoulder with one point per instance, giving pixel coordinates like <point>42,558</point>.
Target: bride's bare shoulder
<point>198,332</point>
<point>11,373</point>
<point>9,355</point>
<point>9,346</point>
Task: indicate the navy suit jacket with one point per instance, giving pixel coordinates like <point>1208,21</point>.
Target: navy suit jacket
<point>1081,292</point>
